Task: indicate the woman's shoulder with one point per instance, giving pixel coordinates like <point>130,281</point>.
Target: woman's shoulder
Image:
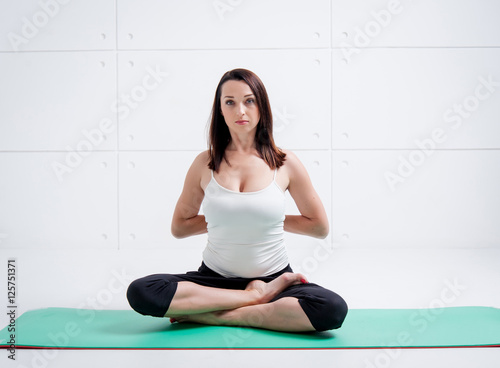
<point>202,159</point>
<point>291,159</point>
<point>199,166</point>
<point>287,152</point>
<point>201,170</point>
<point>292,170</point>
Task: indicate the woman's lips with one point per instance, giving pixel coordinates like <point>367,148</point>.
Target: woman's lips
<point>241,122</point>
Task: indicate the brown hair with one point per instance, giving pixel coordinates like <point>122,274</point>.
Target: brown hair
<point>219,136</point>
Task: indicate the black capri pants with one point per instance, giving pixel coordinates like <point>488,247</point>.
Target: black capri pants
<point>151,295</point>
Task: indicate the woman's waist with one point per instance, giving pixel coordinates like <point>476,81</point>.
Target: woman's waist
<point>239,260</point>
<point>243,237</point>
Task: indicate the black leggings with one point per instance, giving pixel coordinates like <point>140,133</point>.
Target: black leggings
<point>151,295</point>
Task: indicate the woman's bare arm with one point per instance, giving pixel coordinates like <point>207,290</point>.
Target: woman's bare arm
<point>312,220</point>
<point>186,220</point>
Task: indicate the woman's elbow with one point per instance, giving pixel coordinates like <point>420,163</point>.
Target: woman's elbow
<point>177,230</point>
<point>321,234</point>
<point>176,234</point>
<point>322,230</point>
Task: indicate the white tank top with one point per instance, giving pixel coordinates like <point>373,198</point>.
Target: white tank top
<point>245,230</point>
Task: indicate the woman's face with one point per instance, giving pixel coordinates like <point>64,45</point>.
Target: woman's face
<point>239,107</point>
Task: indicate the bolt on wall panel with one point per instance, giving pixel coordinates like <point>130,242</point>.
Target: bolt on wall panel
<point>402,98</point>
<point>406,23</point>
<point>414,198</point>
<point>223,24</point>
<point>48,204</point>
<point>36,25</point>
<point>318,166</point>
<point>162,107</point>
<point>57,101</point>
<point>150,185</point>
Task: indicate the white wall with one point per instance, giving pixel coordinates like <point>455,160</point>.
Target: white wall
<point>394,108</point>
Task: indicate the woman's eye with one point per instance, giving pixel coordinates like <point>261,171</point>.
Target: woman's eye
<point>229,102</point>
<point>250,100</point>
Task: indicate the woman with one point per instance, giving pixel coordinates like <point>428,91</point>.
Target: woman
<point>245,278</point>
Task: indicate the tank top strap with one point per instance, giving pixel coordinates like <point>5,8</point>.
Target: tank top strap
<point>275,171</point>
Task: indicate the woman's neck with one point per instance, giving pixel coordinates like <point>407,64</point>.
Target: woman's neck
<point>242,143</point>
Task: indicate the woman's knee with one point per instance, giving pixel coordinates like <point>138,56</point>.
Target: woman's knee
<point>335,312</point>
<point>326,311</point>
<point>151,295</point>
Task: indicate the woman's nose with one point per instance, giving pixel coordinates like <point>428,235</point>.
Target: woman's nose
<point>241,110</point>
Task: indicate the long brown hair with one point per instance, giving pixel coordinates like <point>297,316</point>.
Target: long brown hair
<point>219,136</point>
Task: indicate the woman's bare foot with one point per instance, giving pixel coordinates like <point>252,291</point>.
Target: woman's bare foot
<point>266,291</point>
<point>285,314</point>
<point>260,293</point>
<point>209,318</point>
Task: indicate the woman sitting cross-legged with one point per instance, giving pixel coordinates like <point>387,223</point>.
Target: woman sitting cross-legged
<point>245,278</point>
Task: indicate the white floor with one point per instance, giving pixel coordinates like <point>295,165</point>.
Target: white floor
<point>410,358</point>
<point>366,278</point>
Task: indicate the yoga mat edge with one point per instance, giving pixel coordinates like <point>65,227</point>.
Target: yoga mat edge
<point>65,328</point>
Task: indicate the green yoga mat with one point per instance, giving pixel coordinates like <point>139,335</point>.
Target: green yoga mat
<point>65,328</point>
